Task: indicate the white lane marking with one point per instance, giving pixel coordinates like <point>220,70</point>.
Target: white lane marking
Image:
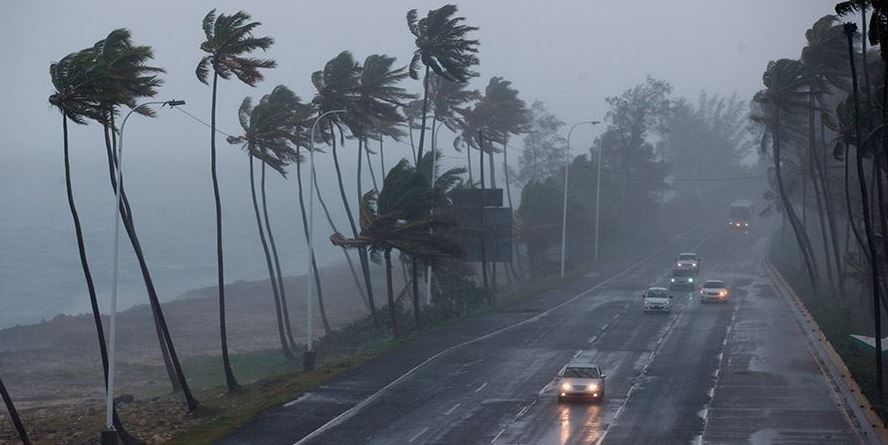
<point>293,402</point>
<point>349,413</point>
<point>546,388</point>
<point>593,338</point>
<point>481,387</point>
<point>451,410</point>
<point>413,439</point>
<point>604,328</point>
<point>500,433</point>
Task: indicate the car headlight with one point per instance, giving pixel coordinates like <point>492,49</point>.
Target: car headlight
<point>593,388</point>
<point>565,386</point>
<point>690,280</point>
<point>672,280</point>
<point>722,293</point>
<point>677,264</point>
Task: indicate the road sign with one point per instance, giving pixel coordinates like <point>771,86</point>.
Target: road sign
<point>491,222</point>
<point>870,342</point>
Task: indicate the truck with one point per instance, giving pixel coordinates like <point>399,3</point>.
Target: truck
<point>740,215</point>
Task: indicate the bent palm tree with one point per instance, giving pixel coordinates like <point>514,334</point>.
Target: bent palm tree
<point>784,95</point>
<point>397,218</point>
<point>269,129</point>
<point>443,46</point>
<point>14,415</point>
<point>229,40</point>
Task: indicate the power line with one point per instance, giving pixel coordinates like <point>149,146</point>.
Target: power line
<point>202,122</point>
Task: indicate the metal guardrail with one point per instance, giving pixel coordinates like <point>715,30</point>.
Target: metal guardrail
<point>859,409</point>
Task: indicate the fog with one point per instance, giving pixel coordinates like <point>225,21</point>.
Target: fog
<point>569,54</point>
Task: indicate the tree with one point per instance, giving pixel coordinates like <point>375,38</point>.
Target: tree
<point>337,88</point>
<point>544,149</point>
<point>125,78</point>
<point>269,129</point>
<point>14,415</point>
<point>508,116</point>
<point>445,97</point>
<point>229,41</point>
<point>75,93</point>
<point>443,46</point>
<point>784,95</point>
<point>397,218</point>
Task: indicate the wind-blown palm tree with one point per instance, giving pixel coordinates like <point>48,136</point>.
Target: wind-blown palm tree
<point>784,95</point>
<point>268,132</point>
<point>443,46</point>
<point>125,78</point>
<point>14,415</point>
<point>397,218</point>
<point>75,86</point>
<point>229,41</point>
<point>509,116</point>
<point>445,97</point>
<point>337,88</point>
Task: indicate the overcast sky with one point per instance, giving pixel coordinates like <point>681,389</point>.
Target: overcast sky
<point>569,54</point>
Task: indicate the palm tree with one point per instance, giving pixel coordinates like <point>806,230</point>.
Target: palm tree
<point>14,415</point>
<point>74,96</point>
<point>823,59</point>
<point>445,97</point>
<point>443,46</point>
<point>783,96</point>
<point>397,218</point>
<point>337,87</point>
<point>125,78</point>
<point>268,131</point>
<point>229,41</point>
<point>509,116</point>
<point>850,29</point>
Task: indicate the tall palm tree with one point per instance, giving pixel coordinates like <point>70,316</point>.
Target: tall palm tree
<point>445,97</point>
<point>126,78</point>
<point>337,88</point>
<point>14,415</point>
<point>509,116</point>
<point>783,96</point>
<point>397,218</point>
<point>850,30</point>
<point>443,46</point>
<point>268,132</point>
<point>824,61</point>
<point>75,97</point>
<point>229,41</point>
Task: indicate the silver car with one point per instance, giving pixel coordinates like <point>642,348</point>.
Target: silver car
<point>714,290</point>
<point>581,380</point>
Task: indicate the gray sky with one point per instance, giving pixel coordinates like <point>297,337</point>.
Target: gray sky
<point>569,54</point>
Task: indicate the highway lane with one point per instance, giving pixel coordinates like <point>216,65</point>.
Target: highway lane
<point>714,373</point>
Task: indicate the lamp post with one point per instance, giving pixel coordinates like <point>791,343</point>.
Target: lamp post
<point>110,436</point>
<point>564,208</point>
<point>597,197</point>
<point>308,359</point>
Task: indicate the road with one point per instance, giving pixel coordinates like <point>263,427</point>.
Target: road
<point>730,373</point>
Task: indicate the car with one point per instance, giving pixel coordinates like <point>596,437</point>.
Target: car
<point>688,260</point>
<point>714,290</point>
<point>682,279</point>
<point>581,379</point>
<point>657,299</point>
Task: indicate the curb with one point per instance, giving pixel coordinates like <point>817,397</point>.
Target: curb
<point>858,408</point>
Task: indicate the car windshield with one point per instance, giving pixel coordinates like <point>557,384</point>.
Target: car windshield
<point>686,257</point>
<point>582,372</point>
<point>681,273</point>
<point>658,293</point>
<point>714,284</point>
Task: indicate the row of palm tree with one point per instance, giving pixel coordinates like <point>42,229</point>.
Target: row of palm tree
<point>814,110</point>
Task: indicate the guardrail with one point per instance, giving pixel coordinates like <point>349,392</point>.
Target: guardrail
<point>870,426</point>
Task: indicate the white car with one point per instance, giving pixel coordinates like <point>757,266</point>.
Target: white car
<point>714,290</point>
<point>688,261</point>
<point>580,379</point>
<point>657,299</point>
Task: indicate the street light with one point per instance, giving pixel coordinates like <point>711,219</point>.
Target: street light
<point>109,436</point>
<point>564,209</point>
<point>308,360</point>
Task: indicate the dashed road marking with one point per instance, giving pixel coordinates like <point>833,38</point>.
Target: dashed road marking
<point>481,387</point>
<point>420,433</point>
<point>451,410</point>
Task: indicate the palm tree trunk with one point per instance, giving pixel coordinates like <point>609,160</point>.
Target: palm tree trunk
<point>381,160</point>
<point>230,380</point>
<point>391,296</point>
<point>790,212</point>
<point>362,251</point>
<point>414,263</point>
<point>14,415</point>
<point>469,162</point>
<point>483,236</point>
<point>848,203</point>
<point>874,260</point>
<point>87,275</point>
<point>425,110</point>
<point>277,264</point>
<point>166,340</point>
<point>360,186</point>
<point>348,259</point>
<point>818,192</point>
<point>822,167</point>
<point>370,169</point>
<point>506,172</point>
<point>412,144</point>
<point>285,347</point>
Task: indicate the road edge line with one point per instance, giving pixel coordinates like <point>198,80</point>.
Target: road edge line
<point>869,425</point>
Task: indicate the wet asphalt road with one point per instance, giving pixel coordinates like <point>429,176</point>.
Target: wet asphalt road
<point>706,373</point>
